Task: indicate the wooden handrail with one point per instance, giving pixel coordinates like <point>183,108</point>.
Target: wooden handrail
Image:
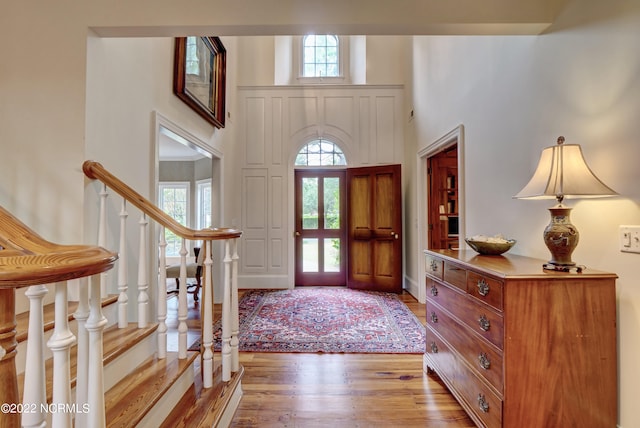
<point>28,259</point>
<point>96,171</point>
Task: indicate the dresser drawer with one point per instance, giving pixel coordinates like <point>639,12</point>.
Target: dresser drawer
<point>480,318</point>
<point>486,405</point>
<point>487,289</point>
<point>469,390</point>
<point>433,266</point>
<point>455,275</point>
<point>479,354</point>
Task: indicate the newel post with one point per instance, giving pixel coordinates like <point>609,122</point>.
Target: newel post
<point>8,377</point>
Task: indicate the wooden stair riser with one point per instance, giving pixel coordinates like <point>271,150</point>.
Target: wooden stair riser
<point>127,363</point>
<point>226,416</point>
<point>170,398</point>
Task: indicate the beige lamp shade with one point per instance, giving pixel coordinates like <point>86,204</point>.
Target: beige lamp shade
<point>563,173</point>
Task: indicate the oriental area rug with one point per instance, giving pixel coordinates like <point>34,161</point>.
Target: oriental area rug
<point>332,320</point>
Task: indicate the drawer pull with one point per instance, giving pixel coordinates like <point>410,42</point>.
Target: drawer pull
<point>434,348</point>
<point>434,266</point>
<point>482,403</point>
<point>484,323</point>
<point>434,317</point>
<point>483,287</point>
<point>434,290</point>
<point>484,360</point>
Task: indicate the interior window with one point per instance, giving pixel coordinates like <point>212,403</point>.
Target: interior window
<point>320,153</point>
<point>174,200</point>
<point>203,204</point>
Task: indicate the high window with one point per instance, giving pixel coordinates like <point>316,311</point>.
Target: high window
<point>320,153</point>
<point>320,56</point>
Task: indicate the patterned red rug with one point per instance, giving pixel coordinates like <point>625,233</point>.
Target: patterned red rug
<point>326,320</point>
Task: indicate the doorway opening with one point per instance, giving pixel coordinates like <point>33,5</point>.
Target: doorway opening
<point>348,221</point>
<point>320,244</point>
<point>428,208</point>
<point>443,217</point>
<point>187,182</point>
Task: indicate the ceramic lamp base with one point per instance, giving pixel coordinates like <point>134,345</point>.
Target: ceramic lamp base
<point>561,237</point>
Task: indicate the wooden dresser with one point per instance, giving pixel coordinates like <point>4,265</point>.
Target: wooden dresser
<point>519,346</point>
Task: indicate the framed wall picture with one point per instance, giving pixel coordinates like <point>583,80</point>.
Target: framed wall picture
<point>199,76</point>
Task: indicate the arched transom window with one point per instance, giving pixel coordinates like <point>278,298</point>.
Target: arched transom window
<point>320,153</point>
<point>320,55</point>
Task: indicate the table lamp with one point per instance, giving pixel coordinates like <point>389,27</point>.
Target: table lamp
<point>562,173</point>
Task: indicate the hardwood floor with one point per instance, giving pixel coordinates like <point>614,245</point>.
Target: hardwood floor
<point>341,390</point>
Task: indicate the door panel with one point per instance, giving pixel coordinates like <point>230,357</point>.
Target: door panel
<point>320,227</point>
<point>374,231</point>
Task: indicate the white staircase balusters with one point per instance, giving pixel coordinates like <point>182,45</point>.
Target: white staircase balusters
<point>182,304</point>
<point>235,320</point>
<point>162,295</point>
<point>123,269</point>
<point>143,283</point>
<point>226,314</point>
<point>60,344</point>
<point>35,392</point>
<point>95,325</point>
<point>207,317</point>
<point>102,234</point>
<point>82,359</point>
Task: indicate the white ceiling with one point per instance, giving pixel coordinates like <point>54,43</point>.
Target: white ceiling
<point>172,147</point>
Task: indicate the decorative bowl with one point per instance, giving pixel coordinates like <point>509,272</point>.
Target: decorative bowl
<point>491,248</point>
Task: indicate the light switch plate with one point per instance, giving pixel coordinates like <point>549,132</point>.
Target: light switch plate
<point>630,239</point>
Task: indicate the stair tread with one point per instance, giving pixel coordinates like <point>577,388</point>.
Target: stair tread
<point>201,407</point>
<point>48,314</point>
<point>115,341</point>
<point>132,398</point>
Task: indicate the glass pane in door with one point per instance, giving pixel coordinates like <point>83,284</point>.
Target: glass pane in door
<point>310,255</point>
<point>331,199</point>
<point>310,202</point>
<point>332,255</point>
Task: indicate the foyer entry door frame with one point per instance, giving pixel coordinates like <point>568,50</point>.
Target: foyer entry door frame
<point>455,136</point>
<point>320,227</point>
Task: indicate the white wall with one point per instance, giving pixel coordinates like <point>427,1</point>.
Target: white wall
<point>42,93</point>
<point>515,96</point>
<point>385,59</point>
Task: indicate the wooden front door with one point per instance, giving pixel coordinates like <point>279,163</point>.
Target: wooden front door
<point>320,227</point>
<point>374,228</point>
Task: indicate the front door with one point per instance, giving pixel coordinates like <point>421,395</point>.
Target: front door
<point>375,228</point>
<point>320,227</point>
